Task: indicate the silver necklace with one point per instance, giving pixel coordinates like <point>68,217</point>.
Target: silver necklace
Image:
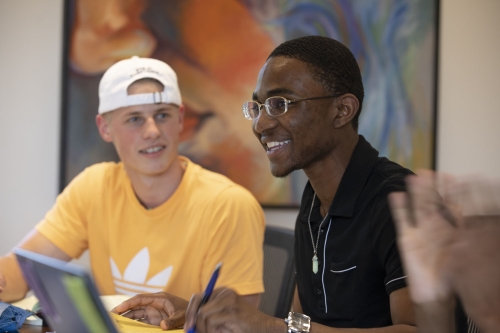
<point>315,247</point>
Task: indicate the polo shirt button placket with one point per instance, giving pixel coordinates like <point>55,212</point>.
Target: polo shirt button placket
<point>318,287</point>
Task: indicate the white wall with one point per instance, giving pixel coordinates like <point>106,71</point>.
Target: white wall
<point>30,72</point>
<point>30,58</point>
<point>469,111</point>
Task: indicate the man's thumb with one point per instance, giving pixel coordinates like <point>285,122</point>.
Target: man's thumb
<point>175,321</point>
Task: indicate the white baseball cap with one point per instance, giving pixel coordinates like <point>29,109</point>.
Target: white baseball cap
<point>116,80</point>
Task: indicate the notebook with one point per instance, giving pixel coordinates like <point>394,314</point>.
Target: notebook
<point>69,297</point>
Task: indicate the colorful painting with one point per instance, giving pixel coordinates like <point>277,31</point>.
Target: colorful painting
<point>217,49</point>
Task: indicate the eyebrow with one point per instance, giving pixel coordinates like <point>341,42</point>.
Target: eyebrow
<point>274,92</point>
<point>137,113</point>
<point>165,108</point>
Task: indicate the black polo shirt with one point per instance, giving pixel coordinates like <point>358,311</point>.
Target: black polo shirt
<point>359,264</point>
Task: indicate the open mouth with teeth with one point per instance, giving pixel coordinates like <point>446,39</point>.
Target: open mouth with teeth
<point>275,145</point>
<point>152,150</point>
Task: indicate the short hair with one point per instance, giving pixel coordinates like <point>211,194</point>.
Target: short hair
<point>331,63</point>
<point>108,115</point>
<point>147,80</point>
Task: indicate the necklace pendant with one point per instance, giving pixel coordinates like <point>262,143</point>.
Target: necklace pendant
<point>315,264</point>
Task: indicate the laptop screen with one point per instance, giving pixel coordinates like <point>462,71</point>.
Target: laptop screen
<point>67,294</point>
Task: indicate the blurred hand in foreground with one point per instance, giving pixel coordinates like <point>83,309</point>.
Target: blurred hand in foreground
<point>449,238</point>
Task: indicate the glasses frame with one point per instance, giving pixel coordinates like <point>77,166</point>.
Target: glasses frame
<point>287,103</point>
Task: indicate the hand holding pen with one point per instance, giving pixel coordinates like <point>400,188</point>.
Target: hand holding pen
<point>207,293</point>
<point>227,311</point>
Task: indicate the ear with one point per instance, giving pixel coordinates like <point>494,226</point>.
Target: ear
<point>347,108</point>
<point>103,126</point>
<point>182,110</point>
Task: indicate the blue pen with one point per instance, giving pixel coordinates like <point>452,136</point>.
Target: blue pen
<point>208,291</point>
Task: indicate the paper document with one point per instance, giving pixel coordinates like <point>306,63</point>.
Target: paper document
<point>124,324</point>
<point>127,325</point>
<point>28,303</point>
<point>112,301</point>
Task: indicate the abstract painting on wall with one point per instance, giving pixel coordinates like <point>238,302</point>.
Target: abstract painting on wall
<point>217,49</point>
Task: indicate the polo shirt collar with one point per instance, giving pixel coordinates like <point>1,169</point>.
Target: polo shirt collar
<point>354,179</point>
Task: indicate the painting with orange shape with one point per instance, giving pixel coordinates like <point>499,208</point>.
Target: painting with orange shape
<point>230,43</point>
<point>230,59</point>
<point>217,49</point>
<point>108,31</point>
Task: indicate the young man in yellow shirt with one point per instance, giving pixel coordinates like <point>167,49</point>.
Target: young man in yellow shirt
<point>155,221</point>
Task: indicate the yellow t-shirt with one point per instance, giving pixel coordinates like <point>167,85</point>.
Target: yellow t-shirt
<point>174,247</point>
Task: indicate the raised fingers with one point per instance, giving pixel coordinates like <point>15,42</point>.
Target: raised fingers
<point>424,200</point>
<point>481,196</point>
<point>398,202</point>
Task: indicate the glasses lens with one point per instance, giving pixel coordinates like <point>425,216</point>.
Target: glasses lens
<point>251,110</point>
<point>276,105</point>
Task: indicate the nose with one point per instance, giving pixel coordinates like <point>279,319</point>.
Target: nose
<point>151,130</point>
<point>263,122</point>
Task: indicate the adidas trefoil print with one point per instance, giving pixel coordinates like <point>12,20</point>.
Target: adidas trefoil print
<point>133,280</point>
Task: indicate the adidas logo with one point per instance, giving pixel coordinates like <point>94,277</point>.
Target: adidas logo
<point>133,281</point>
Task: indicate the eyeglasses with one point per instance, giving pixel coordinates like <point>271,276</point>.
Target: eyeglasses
<point>275,106</point>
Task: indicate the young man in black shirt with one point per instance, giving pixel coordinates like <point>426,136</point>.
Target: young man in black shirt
<point>305,112</point>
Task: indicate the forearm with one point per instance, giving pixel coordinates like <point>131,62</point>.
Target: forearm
<point>15,286</point>
<point>488,324</point>
<point>435,317</point>
<point>253,299</point>
<point>317,328</point>
<point>278,326</point>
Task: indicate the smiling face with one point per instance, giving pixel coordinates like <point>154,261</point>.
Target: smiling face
<point>305,134</point>
<point>146,137</point>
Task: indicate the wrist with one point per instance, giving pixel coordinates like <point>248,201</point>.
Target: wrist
<point>429,294</point>
<point>488,325</point>
<point>436,316</point>
<point>276,325</point>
